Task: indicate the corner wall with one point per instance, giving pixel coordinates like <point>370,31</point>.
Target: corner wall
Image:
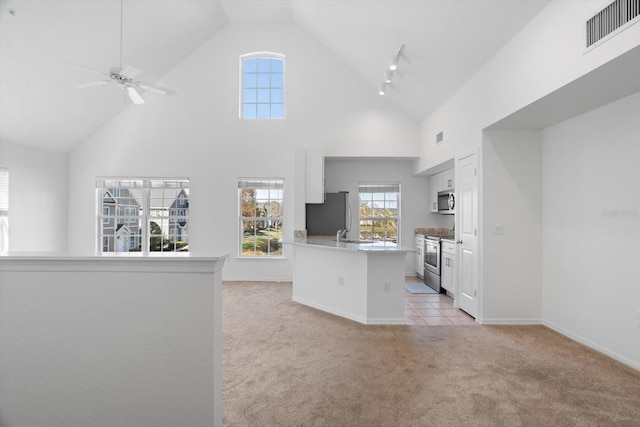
<point>591,234</point>
<point>38,186</point>
<point>512,200</point>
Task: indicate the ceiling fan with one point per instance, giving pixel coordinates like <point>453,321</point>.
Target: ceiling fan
<point>123,77</point>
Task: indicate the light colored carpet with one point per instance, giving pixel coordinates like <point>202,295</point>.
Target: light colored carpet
<point>286,364</point>
<point>418,288</point>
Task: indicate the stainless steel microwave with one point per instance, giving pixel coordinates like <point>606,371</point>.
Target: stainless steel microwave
<point>446,202</point>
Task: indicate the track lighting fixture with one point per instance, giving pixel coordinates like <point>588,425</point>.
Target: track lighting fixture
<point>388,74</point>
<point>393,65</point>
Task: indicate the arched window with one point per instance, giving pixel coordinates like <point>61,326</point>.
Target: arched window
<point>262,86</point>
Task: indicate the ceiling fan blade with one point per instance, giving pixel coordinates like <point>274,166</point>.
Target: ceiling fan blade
<point>134,95</point>
<point>129,71</point>
<point>91,84</point>
<point>87,69</point>
<point>155,88</point>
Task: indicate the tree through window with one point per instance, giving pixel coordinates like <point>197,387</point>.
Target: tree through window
<point>261,214</point>
<point>379,212</point>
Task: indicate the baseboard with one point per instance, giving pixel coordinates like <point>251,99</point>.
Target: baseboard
<point>511,321</point>
<point>330,310</point>
<point>395,321</point>
<point>255,279</point>
<point>578,338</point>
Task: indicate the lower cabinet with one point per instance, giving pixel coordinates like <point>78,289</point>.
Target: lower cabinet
<point>448,277</point>
<point>419,255</point>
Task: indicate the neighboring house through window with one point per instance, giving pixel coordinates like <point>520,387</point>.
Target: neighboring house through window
<point>141,215</point>
<point>262,86</point>
<point>261,214</point>
<point>4,210</point>
<point>379,212</point>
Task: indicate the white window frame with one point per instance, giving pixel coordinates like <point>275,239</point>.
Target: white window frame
<point>262,55</point>
<point>142,215</point>
<point>384,187</point>
<point>264,184</point>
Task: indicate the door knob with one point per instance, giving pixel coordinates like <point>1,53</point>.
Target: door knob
<point>459,242</point>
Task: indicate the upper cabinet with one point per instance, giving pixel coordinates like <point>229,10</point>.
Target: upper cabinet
<point>434,187</point>
<point>446,180</point>
<point>442,181</point>
<point>314,182</point>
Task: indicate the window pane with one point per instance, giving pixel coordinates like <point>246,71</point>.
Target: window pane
<point>264,111</point>
<point>249,111</point>
<point>249,96</point>
<point>277,65</point>
<point>250,65</point>
<point>277,96</point>
<point>277,80</point>
<point>277,111</point>
<point>264,80</point>
<point>250,80</point>
<point>264,65</point>
<point>264,95</point>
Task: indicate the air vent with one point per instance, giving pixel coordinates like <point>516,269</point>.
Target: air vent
<point>609,19</point>
<point>439,137</point>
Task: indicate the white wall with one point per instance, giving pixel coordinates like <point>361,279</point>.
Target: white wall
<point>591,235</point>
<point>512,198</point>
<point>197,134</point>
<point>38,188</point>
<point>548,54</point>
<point>545,55</point>
<point>345,175</point>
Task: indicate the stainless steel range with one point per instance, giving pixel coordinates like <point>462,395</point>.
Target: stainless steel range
<point>432,262</point>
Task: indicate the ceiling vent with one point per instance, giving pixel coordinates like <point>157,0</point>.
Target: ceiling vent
<point>611,18</point>
<point>439,137</point>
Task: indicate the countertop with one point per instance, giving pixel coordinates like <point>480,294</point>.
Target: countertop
<point>330,242</point>
<point>443,233</point>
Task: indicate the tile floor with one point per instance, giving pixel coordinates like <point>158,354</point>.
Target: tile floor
<point>433,309</point>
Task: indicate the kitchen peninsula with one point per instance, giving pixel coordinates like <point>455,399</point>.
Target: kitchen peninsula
<point>361,281</point>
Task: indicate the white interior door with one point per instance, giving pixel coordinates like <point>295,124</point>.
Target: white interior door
<point>467,209</point>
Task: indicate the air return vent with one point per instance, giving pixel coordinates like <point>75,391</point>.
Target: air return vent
<point>609,19</point>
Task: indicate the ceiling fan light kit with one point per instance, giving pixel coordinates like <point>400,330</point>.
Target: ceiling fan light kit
<point>124,77</point>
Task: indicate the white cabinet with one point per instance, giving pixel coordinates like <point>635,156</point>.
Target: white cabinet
<point>434,187</point>
<point>447,180</point>
<point>419,255</point>
<point>448,277</point>
<point>314,176</point>
<point>443,181</point>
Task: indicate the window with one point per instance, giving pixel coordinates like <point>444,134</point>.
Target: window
<point>4,210</point>
<point>262,90</point>
<point>379,212</point>
<point>260,205</point>
<point>141,215</point>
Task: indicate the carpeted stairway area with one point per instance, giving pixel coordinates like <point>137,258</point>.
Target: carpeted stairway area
<point>286,364</point>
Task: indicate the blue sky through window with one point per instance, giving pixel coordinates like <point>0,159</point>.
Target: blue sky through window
<point>263,88</point>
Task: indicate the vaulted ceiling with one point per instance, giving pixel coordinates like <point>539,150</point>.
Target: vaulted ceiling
<point>446,41</point>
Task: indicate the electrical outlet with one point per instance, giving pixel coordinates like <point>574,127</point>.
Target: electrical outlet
<point>340,281</point>
<point>387,286</point>
<point>498,229</point>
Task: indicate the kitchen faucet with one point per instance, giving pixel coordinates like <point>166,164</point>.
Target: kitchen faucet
<point>341,234</point>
